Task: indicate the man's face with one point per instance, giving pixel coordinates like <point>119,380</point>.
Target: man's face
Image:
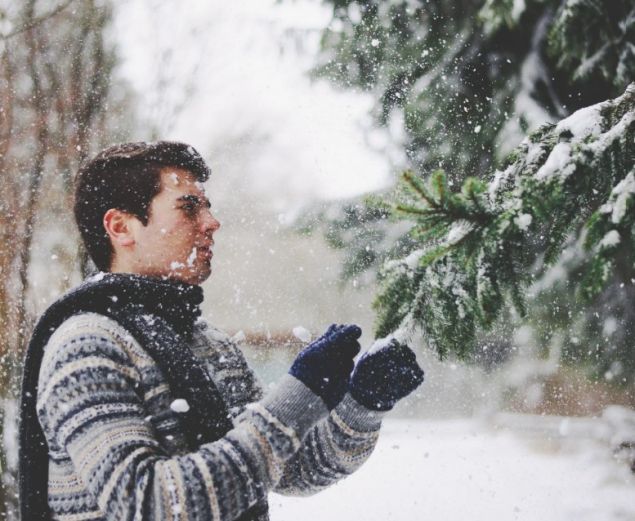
<point>177,241</point>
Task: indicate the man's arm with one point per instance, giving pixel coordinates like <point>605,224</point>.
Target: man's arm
<point>90,407</point>
<point>333,449</point>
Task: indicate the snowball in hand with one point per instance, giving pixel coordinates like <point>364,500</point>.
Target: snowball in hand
<point>302,333</point>
<point>381,343</point>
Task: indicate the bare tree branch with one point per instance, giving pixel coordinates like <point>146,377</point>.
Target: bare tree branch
<point>37,21</point>
<point>40,104</point>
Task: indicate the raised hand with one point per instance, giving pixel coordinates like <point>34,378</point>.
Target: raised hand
<point>385,375</point>
<point>325,365</point>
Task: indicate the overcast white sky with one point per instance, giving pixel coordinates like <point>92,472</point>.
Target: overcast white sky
<point>239,71</point>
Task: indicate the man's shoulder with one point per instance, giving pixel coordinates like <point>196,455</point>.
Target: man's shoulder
<point>85,331</point>
<point>88,324</point>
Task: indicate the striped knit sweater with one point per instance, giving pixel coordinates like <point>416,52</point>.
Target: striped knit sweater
<point>117,449</point>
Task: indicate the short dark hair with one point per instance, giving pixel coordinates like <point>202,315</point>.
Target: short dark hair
<point>126,177</point>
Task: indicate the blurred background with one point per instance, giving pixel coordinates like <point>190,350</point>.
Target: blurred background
<point>308,112</point>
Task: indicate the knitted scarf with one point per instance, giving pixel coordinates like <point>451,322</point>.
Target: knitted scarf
<point>133,301</point>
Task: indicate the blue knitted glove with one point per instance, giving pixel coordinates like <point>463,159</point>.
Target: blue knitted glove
<point>384,376</point>
<point>325,365</point>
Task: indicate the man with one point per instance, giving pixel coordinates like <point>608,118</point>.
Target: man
<point>133,408</point>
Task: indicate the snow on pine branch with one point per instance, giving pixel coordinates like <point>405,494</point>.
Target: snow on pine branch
<point>481,247</point>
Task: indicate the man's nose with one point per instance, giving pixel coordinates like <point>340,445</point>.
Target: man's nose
<point>210,223</point>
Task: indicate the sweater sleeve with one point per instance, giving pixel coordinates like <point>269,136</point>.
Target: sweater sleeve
<point>91,408</point>
<point>333,449</point>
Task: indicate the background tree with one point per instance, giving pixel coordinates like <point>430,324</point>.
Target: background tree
<point>467,80</point>
<point>471,78</point>
<point>59,104</point>
<point>485,245</point>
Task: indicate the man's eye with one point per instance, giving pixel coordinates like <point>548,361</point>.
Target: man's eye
<point>189,208</point>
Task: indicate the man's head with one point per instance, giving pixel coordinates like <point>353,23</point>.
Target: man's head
<point>141,208</point>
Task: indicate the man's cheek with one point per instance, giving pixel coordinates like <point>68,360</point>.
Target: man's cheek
<point>169,231</point>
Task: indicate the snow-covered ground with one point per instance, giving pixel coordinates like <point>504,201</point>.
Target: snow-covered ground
<point>453,470</point>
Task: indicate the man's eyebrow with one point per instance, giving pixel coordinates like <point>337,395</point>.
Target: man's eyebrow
<point>195,199</point>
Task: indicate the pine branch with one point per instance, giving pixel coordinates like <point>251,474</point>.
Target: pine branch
<point>469,275</point>
<point>416,185</point>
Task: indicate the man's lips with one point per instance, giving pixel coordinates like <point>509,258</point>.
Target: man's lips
<point>205,251</point>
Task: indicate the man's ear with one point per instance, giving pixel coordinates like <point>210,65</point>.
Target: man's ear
<point>118,227</point>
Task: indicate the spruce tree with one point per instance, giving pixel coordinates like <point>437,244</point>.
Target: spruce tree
<point>471,77</point>
<point>480,248</point>
<point>471,80</point>
<point>468,80</point>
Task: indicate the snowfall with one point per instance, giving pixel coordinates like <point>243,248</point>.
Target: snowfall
<point>510,467</point>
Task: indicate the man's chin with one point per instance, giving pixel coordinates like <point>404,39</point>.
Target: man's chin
<point>202,278</point>
<point>194,277</point>
<point>201,275</point>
